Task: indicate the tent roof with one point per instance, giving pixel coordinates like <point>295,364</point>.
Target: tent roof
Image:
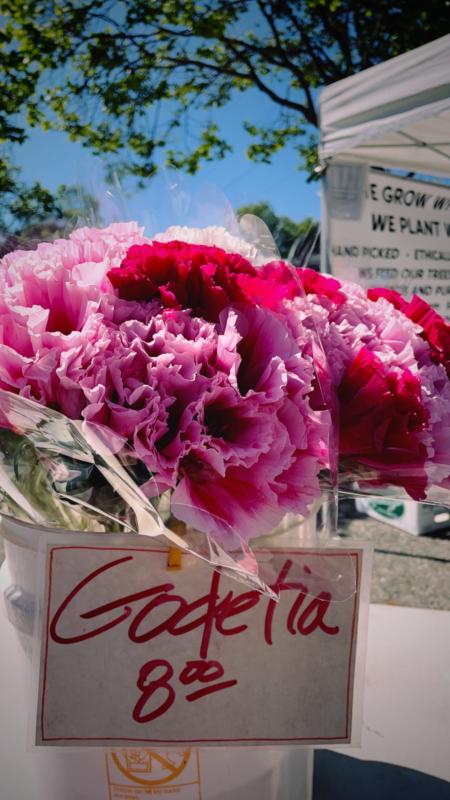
<point>396,114</point>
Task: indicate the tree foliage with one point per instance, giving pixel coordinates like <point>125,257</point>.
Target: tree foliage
<point>283,229</point>
<point>124,77</point>
<point>39,216</point>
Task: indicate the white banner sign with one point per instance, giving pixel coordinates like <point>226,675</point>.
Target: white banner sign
<point>132,652</point>
<point>397,236</point>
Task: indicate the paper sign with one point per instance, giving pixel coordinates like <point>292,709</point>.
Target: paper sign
<point>399,238</point>
<point>133,653</point>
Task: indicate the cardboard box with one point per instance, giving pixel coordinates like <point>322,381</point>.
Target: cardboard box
<point>409,516</point>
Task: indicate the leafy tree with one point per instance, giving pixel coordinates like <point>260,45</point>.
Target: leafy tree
<point>41,217</point>
<point>123,76</point>
<point>283,229</point>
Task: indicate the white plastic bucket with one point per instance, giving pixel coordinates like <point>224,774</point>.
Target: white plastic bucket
<point>21,542</point>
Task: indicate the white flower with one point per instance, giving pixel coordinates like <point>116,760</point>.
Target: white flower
<point>212,236</point>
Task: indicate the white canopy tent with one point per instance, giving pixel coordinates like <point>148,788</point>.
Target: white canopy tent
<point>395,115</point>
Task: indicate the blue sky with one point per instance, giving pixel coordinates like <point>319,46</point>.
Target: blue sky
<point>53,159</point>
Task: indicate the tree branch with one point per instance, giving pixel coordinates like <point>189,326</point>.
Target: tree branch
<point>298,73</point>
<point>318,60</point>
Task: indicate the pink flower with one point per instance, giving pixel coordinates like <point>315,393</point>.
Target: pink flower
<point>322,285</point>
<point>390,295</point>
<point>383,329</point>
<point>52,300</point>
<point>434,328</point>
<point>261,444</point>
<point>205,407</point>
<point>382,419</point>
<point>273,283</point>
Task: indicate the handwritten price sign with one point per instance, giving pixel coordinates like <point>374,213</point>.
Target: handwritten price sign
<point>132,652</point>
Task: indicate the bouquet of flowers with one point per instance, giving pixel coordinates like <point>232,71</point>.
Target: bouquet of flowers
<point>166,380</point>
<point>182,383</point>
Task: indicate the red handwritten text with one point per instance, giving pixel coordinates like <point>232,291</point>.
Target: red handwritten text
<point>306,615</point>
<point>159,609</point>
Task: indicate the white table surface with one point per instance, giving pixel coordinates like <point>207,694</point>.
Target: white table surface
<point>406,710</point>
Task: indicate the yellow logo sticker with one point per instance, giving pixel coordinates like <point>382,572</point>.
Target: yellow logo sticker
<point>149,772</point>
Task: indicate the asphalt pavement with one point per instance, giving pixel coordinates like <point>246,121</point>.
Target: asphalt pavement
<point>408,570</point>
